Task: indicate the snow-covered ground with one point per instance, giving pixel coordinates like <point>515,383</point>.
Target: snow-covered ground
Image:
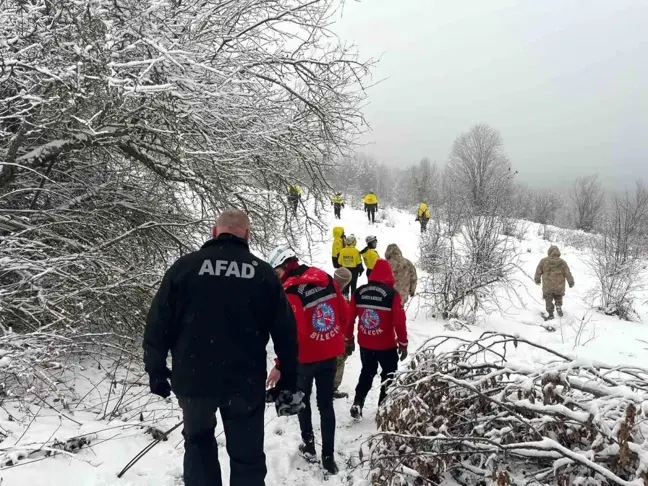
<point>115,442</point>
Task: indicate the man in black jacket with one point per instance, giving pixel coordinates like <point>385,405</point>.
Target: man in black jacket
<point>215,310</point>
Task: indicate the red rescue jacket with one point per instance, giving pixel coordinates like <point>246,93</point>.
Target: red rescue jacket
<point>382,319</point>
<point>320,311</point>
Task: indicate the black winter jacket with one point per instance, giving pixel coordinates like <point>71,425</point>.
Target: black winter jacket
<point>215,310</point>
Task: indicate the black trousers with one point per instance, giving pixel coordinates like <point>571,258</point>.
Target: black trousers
<point>353,284</point>
<point>370,358</point>
<point>323,374</point>
<point>371,212</point>
<point>294,203</point>
<point>336,264</point>
<point>337,210</point>
<point>424,223</point>
<point>243,424</point>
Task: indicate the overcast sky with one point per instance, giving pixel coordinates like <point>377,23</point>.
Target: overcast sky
<point>565,81</point>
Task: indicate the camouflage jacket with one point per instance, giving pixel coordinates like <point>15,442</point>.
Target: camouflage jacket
<point>404,272</point>
<point>553,271</point>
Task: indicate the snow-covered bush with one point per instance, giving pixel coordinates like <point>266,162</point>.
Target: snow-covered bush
<point>548,233</point>
<point>126,126</point>
<point>515,228</point>
<point>467,260</point>
<point>619,253</point>
<point>469,411</point>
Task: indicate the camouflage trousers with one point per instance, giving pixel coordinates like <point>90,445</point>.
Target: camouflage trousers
<point>550,299</point>
<point>339,371</point>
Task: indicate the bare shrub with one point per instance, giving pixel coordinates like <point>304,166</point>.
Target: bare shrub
<point>547,233</point>
<point>82,378</point>
<point>467,260</point>
<point>582,330</point>
<point>618,254</point>
<point>466,411</point>
<point>515,228</point>
<point>578,239</point>
<point>587,197</point>
<point>479,168</point>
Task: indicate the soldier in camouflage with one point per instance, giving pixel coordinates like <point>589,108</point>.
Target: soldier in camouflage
<point>404,272</point>
<point>552,273</point>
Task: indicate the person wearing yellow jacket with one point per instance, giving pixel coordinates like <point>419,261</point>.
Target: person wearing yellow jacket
<point>294,195</point>
<point>338,244</point>
<point>338,204</point>
<point>369,254</point>
<point>371,206</point>
<point>350,258</point>
<point>423,216</point>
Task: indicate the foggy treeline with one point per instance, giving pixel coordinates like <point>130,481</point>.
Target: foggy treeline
<point>581,207</point>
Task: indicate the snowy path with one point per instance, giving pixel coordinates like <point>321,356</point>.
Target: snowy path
<point>608,339</point>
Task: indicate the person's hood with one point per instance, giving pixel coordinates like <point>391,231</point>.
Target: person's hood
<point>554,251</point>
<point>423,206</point>
<point>382,273</point>
<point>393,252</point>
<point>307,275</point>
<point>338,231</point>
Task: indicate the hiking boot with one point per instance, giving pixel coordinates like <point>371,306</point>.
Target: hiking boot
<point>356,411</point>
<point>307,449</point>
<point>328,463</point>
<point>550,316</point>
<point>339,394</point>
<point>559,311</point>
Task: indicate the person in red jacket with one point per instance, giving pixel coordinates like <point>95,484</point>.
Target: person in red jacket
<point>382,332</point>
<point>321,314</point>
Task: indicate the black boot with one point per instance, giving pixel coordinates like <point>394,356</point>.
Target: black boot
<point>356,411</point>
<point>559,310</point>
<point>339,394</point>
<point>307,449</point>
<point>328,463</point>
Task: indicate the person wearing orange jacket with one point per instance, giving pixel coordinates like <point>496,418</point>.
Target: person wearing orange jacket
<point>382,332</point>
<point>321,314</point>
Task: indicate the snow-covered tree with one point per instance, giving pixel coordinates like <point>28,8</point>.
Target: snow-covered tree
<point>479,168</point>
<point>588,199</point>
<point>546,206</point>
<point>126,125</point>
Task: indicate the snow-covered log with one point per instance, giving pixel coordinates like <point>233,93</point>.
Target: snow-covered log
<point>503,410</point>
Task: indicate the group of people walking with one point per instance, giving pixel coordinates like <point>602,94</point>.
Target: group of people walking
<point>370,201</point>
<point>215,310</point>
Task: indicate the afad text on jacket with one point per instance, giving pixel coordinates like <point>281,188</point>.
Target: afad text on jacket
<point>320,312</point>
<point>381,323</point>
<point>215,311</point>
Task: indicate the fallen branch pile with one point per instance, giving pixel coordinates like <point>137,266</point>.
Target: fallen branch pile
<point>470,411</point>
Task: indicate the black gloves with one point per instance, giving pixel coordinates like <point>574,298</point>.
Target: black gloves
<point>272,394</point>
<point>286,402</point>
<point>159,383</point>
<point>349,347</point>
<point>402,352</point>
